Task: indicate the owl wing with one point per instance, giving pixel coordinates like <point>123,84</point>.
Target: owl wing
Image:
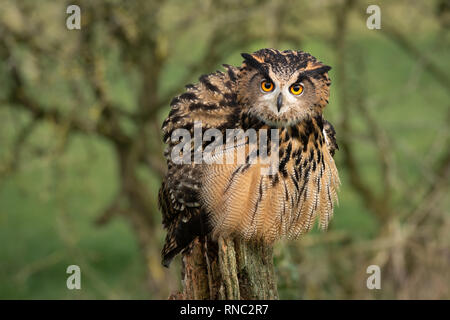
<point>211,102</point>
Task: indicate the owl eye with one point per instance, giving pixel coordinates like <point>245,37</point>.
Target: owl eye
<point>296,88</point>
<point>267,86</point>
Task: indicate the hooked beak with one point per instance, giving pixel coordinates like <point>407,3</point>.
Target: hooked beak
<point>279,101</point>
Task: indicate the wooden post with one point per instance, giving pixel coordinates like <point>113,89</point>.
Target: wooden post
<point>228,269</point>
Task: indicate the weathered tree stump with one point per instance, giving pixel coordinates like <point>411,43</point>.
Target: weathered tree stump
<point>228,269</point>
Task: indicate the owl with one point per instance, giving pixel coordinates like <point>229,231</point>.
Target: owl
<point>282,92</point>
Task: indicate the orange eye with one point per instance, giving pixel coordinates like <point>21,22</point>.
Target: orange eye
<point>296,88</point>
<point>266,86</point>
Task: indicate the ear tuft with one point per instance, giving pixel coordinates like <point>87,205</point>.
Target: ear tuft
<point>251,61</point>
<point>246,56</point>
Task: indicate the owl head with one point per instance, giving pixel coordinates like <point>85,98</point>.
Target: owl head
<point>283,88</point>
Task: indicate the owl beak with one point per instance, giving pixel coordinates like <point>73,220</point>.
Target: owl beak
<point>279,101</point>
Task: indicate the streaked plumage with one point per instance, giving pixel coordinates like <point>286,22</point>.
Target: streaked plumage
<point>236,199</point>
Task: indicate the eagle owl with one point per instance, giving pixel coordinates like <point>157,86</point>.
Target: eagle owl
<point>272,90</point>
